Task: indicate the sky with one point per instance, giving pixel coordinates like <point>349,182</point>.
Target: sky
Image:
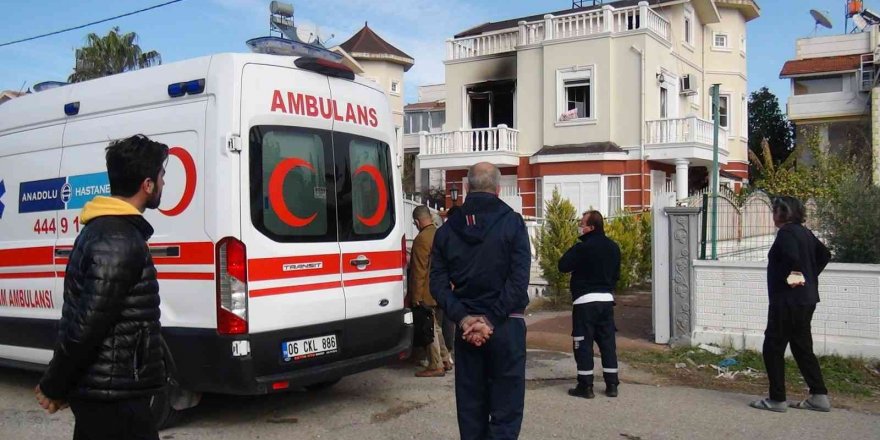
<point>420,28</point>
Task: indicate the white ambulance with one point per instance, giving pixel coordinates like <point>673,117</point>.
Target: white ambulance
<point>279,242</point>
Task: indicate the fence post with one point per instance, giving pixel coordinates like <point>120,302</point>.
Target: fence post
<point>682,249</point>
<point>523,31</point>
<point>660,316</point>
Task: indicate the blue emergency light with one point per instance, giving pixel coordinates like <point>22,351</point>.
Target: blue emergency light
<point>193,87</point>
<point>71,109</point>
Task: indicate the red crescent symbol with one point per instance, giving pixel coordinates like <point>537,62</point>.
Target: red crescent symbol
<point>276,192</point>
<point>376,218</point>
<point>189,189</point>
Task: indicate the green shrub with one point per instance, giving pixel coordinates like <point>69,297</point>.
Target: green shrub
<point>646,259</point>
<point>850,220</point>
<point>632,233</point>
<point>557,235</point>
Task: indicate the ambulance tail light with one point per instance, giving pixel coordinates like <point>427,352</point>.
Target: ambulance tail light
<point>403,253</point>
<point>232,290</point>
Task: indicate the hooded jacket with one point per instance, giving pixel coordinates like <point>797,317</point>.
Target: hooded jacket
<point>483,250</point>
<point>108,345</point>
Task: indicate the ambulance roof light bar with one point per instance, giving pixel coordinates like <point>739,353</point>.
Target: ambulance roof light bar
<point>325,67</point>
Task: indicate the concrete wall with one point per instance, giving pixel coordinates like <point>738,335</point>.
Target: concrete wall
<point>875,134</point>
<point>849,44</point>
<point>383,72</point>
<point>432,92</point>
<point>728,68</point>
<point>730,307</point>
<point>530,100</point>
<point>594,52</point>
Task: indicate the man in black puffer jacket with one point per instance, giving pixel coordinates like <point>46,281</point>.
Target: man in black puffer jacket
<point>108,358</point>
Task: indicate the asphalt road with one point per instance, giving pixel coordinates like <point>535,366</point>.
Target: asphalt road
<point>390,403</point>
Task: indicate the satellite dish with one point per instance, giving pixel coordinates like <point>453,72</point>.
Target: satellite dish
<point>821,18</point>
<point>860,22</point>
<point>311,33</point>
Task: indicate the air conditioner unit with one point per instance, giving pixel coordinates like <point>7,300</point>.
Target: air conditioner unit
<point>688,85</point>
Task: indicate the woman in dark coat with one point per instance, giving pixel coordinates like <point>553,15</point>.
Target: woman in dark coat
<point>796,259</point>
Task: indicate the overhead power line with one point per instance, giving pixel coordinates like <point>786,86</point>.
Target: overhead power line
<point>90,24</point>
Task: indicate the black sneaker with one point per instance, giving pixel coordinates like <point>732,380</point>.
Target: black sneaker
<point>582,391</point>
<point>611,390</point>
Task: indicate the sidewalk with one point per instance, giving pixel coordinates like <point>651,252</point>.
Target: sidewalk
<point>632,314</point>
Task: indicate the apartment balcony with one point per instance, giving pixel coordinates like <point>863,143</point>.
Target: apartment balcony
<point>463,148</point>
<point>827,105</point>
<point>607,20</point>
<point>684,138</point>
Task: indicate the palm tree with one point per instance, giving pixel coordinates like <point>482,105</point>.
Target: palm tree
<point>765,165</point>
<point>109,55</point>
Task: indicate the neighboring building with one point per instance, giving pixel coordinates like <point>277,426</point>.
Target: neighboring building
<point>428,115</point>
<point>832,79</point>
<point>372,57</point>
<point>6,95</point>
<point>606,103</point>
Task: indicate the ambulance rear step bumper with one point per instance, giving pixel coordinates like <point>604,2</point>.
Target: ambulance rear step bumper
<point>205,362</point>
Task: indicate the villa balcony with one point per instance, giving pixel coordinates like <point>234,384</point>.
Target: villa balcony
<point>607,20</point>
<point>683,138</point>
<point>463,148</point>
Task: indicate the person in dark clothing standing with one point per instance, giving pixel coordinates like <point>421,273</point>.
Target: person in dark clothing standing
<point>108,358</point>
<point>483,250</point>
<point>795,261</point>
<point>594,264</point>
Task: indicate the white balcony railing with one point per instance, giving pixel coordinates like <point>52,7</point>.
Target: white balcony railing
<point>606,20</point>
<point>479,140</point>
<point>531,33</point>
<point>483,44</point>
<point>658,24</point>
<point>578,25</point>
<point>690,130</point>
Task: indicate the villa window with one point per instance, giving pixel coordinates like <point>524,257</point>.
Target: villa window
<point>575,100</point>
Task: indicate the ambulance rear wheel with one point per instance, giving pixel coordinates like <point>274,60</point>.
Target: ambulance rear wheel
<point>164,415</point>
<point>323,385</point>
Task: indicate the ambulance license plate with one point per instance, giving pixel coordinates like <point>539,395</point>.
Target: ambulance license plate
<point>309,348</point>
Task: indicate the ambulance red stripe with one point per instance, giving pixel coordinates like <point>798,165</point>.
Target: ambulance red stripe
<point>294,289</point>
<point>383,260</point>
<point>192,276</point>
<point>376,280</point>
<point>18,275</point>
<point>263,269</point>
<point>34,256</point>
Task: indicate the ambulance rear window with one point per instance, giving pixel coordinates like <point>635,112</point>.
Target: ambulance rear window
<point>291,198</point>
<point>366,180</point>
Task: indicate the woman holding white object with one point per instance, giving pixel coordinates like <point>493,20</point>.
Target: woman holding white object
<point>796,259</point>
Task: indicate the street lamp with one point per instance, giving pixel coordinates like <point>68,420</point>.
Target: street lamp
<point>454,192</point>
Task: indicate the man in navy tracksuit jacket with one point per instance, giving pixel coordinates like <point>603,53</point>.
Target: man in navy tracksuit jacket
<point>483,251</point>
<point>594,264</point>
